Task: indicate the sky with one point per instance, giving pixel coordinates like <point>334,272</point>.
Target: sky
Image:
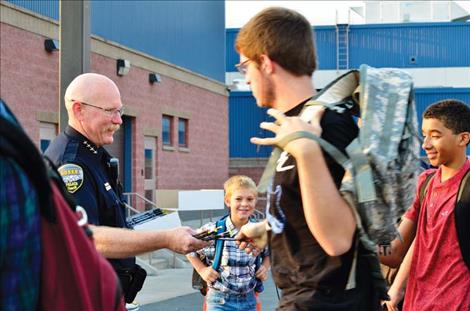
<point>237,12</point>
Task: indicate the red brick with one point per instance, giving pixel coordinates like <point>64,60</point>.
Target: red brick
<point>29,83</point>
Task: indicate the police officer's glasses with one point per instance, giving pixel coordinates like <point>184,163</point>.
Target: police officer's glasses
<point>243,66</point>
<point>109,111</point>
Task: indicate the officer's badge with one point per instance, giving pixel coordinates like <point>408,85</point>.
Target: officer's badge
<point>72,175</point>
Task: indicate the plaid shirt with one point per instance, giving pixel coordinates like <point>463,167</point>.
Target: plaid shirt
<point>20,239</point>
<point>237,268</point>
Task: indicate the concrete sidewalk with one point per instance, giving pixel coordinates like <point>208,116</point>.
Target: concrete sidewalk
<point>169,283</point>
<point>171,291</point>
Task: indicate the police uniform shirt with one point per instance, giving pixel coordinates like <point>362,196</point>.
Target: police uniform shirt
<point>84,170</point>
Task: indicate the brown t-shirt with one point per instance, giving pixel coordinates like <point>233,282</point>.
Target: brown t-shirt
<point>300,267</point>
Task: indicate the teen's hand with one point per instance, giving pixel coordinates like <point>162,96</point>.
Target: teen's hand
<point>209,275</point>
<point>252,237</point>
<point>287,125</point>
<point>396,296</point>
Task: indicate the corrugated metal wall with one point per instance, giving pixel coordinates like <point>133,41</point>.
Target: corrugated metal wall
<point>394,45</point>
<point>427,96</point>
<point>389,45</point>
<point>232,55</point>
<point>325,40</point>
<point>245,117</point>
<point>48,8</point>
<point>190,34</point>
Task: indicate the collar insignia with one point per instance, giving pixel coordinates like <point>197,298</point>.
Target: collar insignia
<point>90,147</point>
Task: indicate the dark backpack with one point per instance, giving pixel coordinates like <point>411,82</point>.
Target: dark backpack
<point>201,285</point>
<point>74,276</point>
<point>461,213</point>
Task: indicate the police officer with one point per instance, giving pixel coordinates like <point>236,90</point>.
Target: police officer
<point>94,108</point>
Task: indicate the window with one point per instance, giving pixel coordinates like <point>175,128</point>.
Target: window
<point>47,132</point>
<point>167,133</point>
<point>150,178</point>
<point>183,132</point>
<point>148,163</point>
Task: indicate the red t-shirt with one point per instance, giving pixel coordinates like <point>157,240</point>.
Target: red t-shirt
<point>439,278</point>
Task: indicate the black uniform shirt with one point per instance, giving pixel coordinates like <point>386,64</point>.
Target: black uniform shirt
<point>84,168</point>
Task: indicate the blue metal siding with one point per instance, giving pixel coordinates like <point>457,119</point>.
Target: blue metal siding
<point>427,96</point>
<point>190,34</point>
<point>244,119</point>
<point>245,116</point>
<point>325,41</point>
<point>232,55</point>
<point>393,45</point>
<point>388,45</point>
<point>49,8</point>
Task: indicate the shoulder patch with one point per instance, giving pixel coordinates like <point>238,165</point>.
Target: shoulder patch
<point>72,175</point>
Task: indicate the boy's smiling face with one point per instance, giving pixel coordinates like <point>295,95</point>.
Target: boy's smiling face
<point>440,143</point>
<point>242,203</point>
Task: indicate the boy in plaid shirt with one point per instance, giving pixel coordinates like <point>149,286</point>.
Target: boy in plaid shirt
<point>232,287</point>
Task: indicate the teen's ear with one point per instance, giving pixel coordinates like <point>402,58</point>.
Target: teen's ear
<point>464,138</point>
<point>266,64</point>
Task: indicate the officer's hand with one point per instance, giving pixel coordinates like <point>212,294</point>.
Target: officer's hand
<point>209,275</point>
<point>181,240</point>
<point>252,237</point>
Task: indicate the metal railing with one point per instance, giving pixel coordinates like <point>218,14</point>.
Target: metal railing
<point>131,211</point>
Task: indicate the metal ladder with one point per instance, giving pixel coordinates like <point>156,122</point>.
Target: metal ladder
<point>342,44</point>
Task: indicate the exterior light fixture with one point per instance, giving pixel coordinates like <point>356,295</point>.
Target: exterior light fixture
<point>123,66</point>
<point>154,78</point>
<point>51,45</point>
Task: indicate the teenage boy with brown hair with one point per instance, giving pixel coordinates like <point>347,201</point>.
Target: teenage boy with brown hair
<point>313,238</point>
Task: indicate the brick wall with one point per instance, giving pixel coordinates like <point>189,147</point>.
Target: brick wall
<point>29,83</point>
<point>29,76</point>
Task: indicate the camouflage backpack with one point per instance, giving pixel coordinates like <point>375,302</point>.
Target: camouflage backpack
<point>382,163</point>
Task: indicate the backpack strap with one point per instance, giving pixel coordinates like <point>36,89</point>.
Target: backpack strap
<point>462,218</point>
<point>15,143</point>
<point>219,244</point>
<point>424,187</point>
<point>330,97</point>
